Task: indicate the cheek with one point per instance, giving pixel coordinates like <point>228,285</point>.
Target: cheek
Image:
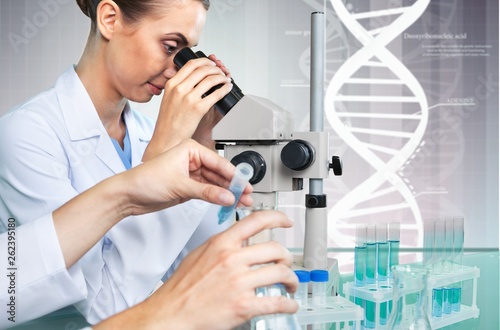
<point>138,67</point>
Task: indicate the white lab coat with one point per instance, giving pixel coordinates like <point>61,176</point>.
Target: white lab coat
<point>52,148</point>
<point>42,284</point>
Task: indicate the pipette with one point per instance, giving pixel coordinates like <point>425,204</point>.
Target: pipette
<point>242,175</point>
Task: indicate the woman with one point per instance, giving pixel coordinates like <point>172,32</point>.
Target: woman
<point>60,239</point>
<point>82,131</point>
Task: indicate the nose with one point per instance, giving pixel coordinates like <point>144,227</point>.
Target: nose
<point>170,70</point>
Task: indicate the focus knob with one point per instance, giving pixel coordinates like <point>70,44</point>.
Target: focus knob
<point>297,155</point>
<point>255,160</point>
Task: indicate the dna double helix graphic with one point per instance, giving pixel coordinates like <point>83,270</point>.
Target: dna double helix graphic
<point>379,109</point>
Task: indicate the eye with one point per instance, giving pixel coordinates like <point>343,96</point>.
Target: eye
<point>170,47</point>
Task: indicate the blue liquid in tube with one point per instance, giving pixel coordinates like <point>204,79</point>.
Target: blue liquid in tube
<point>382,260</point>
<point>369,314</point>
<point>371,263</point>
<point>437,302</point>
<point>447,304</point>
<point>242,175</point>
<point>456,298</point>
<point>359,265</point>
<point>383,313</point>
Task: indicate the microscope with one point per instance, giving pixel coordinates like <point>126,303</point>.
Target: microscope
<point>257,131</point>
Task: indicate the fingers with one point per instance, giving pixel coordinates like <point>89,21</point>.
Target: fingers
<point>199,74</point>
<point>270,275</point>
<point>264,253</point>
<point>255,223</point>
<point>203,157</point>
<point>274,305</point>
<point>220,64</point>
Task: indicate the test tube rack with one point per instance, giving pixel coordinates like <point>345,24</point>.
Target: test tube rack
<point>380,293</point>
<point>337,310</point>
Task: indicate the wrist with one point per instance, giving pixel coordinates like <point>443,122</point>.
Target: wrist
<point>117,190</point>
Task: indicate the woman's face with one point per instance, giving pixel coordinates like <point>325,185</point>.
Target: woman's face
<point>140,55</point>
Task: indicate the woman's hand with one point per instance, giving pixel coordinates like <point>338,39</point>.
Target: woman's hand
<point>214,286</point>
<point>184,112</point>
<point>186,171</point>
<point>203,133</point>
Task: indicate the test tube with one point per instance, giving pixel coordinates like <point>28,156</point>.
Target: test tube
<point>382,252</point>
<point>371,254</point>
<point>269,321</point>
<point>393,237</point>
<point>458,251</point>
<point>458,242</point>
<point>360,256</point>
<point>319,279</point>
<point>447,300</point>
<point>370,272</point>
<point>437,302</point>
<point>439,240</point>
<point>428,249</point>
<point>302,290</point>
<point>448,244</point>
<point>382,264</point>
<point>242,175</point>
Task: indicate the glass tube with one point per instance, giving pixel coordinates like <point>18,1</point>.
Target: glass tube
<point>301,294</point>
<point>448,244</point>
<point>359,260</point>
<point>428,248</point>
<point>319,282</point>
<point>360,256</point>
<point>382,252</point>
<point>270,321</point>
<point>274,321</point>
<point>447,300</point>
<point>370,272</point>
<point>458,241</point>
<point>371,254</point>
<point>382,264</point>
<point>437,302</point>
<point>393,237</point>
<point>458,251</point>
<point>439,239</point>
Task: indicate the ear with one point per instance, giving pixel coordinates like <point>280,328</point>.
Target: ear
<point>106,18</point>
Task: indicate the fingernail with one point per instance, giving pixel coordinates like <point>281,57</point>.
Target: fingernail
<point>226,198</point>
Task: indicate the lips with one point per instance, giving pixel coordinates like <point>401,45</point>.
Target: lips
<point>155,88</point>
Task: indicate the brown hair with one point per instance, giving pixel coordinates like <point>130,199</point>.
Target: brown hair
<point>132,10</point>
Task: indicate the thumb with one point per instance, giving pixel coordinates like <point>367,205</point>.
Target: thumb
<point>211,193</point>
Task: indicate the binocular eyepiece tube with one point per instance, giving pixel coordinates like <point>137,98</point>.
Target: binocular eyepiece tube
<point>226,103</point>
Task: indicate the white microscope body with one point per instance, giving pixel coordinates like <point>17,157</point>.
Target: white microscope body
<point>260,133</point>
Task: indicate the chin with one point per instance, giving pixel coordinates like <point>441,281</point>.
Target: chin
<point>140,98</point>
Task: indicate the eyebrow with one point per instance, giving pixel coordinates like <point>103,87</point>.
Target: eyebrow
<point>180,36</point>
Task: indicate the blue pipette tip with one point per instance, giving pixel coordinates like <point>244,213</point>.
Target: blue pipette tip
<point>224,216</point>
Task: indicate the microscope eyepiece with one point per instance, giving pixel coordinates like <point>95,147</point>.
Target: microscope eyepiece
<point>226,103</point>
